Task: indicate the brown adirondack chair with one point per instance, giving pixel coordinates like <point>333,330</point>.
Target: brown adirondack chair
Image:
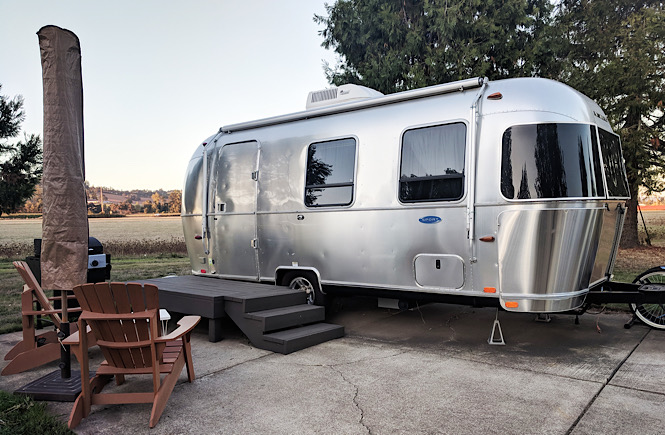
<point>34,350</point>
<point>126,324</point>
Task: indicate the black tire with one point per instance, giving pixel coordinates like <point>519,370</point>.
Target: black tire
<point>307,283</point>
<point>651,314</point>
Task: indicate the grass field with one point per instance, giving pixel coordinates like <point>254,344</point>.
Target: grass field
<point>140,248</point>
<point>17,235</point>
<point>632,262</point>
<point>149,247</point>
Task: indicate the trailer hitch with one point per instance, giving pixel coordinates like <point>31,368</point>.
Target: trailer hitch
<point>612,292</point>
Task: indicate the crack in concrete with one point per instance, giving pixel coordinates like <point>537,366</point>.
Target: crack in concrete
<point>640,390</point>
<point>337,364</point>
<point>373,358</point>
<point>232,366</point>
<point>355,399</point>
<point>356,389</point>
<point>605,384</point>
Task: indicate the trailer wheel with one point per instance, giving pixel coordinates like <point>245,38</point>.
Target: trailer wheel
<point>651,314</point>
<point>307,283</point>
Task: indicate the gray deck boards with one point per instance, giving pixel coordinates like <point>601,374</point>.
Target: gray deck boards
<point>205,296</point>
<point>256,308</point>
<point>207,287</point>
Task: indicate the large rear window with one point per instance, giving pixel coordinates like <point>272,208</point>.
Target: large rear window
<point>550,161</point>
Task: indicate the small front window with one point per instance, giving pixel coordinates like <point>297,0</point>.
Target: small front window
<point>615,172</point>
<point>432,166</point>
<point>330,169</point>
<point>550,161</point>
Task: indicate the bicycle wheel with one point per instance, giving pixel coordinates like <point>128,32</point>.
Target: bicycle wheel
<point>651,314</point>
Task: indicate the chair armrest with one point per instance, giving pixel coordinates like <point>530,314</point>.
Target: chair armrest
<point>185,326</point>
<point>147,314</point>
<point>74,339</point>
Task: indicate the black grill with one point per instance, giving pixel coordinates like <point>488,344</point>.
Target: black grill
<point>99,264</point>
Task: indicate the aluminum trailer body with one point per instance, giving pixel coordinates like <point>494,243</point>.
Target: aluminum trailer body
<point>509,192</point>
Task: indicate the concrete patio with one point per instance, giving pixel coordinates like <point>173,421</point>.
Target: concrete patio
<point>428,370</point>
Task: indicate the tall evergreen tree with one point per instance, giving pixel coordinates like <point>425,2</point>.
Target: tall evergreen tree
<point>397,45</point>
<point>20,162</point>
<point>614,52</point>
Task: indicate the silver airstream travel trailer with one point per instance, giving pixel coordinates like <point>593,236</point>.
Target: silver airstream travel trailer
<point>509,193</point>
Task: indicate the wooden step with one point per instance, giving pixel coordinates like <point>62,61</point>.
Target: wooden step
<point>268,301</point>
<point>214,298</point>
<point>287,317</point>
<point>295,339</point>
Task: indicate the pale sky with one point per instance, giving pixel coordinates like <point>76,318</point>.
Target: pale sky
<point>161,76</point>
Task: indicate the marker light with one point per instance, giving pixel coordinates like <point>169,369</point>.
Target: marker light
<point>198,237</point>
<point>489,290</point>
<point>203,271</point>
<point>495,96</point>
<point>487,239</point>
<point>512,305</point>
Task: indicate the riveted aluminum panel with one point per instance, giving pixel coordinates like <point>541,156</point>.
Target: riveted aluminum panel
<point>371,248</point>
<point>547,254</point>
<point>192,196</point>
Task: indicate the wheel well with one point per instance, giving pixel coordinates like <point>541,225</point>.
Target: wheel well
<point>288,275</point>
<point>285,275</point>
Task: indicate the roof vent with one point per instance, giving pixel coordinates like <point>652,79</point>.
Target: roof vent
<point>326,94</point>
<point>342,94</point>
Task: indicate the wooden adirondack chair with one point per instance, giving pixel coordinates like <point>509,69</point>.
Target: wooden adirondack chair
<point>126,324</point>
<point>34,350</point>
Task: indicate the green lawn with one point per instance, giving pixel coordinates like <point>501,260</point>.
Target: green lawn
<point>20,415</point>
<point>123,269</point>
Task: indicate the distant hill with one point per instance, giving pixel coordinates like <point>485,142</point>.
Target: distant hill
<point>119,201</point>
<point>133,201</point>
<point>116,196</point>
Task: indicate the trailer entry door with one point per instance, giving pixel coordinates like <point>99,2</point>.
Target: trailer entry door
<point>233,227</point>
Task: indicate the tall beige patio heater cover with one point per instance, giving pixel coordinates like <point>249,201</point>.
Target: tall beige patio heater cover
<point>64,255</point>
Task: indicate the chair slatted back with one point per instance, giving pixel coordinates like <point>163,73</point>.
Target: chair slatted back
<point>30,280</point>
<point>121,298</point>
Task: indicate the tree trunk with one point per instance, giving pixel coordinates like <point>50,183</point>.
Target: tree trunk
<point>629,237</point>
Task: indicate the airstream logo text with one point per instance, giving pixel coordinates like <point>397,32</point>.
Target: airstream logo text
<point>430,220</point>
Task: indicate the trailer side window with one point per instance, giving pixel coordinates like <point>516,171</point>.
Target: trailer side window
<point>330,169</point>
<point>432,166</point>
<point>615,172</point>
<point>550,161</point>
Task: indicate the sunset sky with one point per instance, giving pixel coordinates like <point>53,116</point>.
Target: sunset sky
<point>161,76</point>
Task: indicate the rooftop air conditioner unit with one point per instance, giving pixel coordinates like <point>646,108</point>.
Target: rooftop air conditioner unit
<point>339,95</point>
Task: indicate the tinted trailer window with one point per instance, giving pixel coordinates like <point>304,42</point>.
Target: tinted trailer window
<point>541,161</point>
<point>330,168</point>
<point>615,171</point>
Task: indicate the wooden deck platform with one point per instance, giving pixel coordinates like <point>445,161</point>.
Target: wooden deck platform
<point>274,318</point>
<point>204,296</point>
